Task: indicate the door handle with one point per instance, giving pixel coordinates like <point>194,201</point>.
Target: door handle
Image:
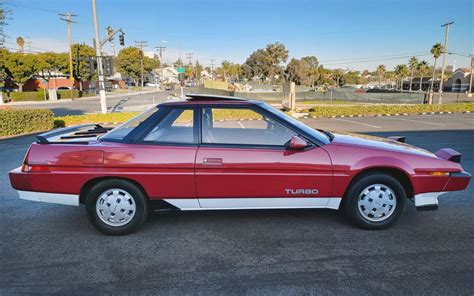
<point>212,161</point>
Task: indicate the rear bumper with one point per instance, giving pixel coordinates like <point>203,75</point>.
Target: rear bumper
<point>24,184</point>
<point>56,198</point>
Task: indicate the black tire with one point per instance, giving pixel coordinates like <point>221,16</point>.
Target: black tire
<point>140,200</point>
<point>351,199</point>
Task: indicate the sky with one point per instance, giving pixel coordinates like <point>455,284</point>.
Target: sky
<point>350,34</point>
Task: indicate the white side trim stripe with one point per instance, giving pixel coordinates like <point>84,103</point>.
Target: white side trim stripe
<point>255,203</point>
<point>56,198</point>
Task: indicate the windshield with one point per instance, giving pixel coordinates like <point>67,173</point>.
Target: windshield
<point>315,133</point>
<point>121,131</point>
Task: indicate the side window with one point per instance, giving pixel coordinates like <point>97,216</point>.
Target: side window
<point>242,127</point>
<point>176,127</point>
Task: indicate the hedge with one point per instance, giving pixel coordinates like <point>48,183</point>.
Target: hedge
<point>39,95</point>
<point>371,110</point>
<point>21,121</point>
<point>93,118</point>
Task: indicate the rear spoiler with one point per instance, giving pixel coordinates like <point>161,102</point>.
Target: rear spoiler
<point>400,139</point>
<point>449,154</point>
<point>73,132</point>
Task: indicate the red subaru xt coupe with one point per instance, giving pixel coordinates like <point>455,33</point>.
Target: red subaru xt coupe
<point>219,153</point>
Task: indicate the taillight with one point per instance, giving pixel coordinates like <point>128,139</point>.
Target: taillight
<point>35,168</point>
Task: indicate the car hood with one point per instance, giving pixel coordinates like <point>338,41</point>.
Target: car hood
<point>379,143</point>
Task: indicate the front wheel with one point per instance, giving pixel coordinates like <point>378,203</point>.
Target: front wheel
<point>116,207</point>
<point>375,201</point>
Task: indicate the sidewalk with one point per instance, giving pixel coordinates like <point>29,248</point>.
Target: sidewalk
<point>84,98</point>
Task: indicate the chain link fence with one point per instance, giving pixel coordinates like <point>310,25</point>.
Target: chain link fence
<point>342,95</point>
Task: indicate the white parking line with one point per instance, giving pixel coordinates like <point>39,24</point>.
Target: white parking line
<point>240,123</point>
<point>450,117</point>
<point>374,126</point>
<point>417,121</point>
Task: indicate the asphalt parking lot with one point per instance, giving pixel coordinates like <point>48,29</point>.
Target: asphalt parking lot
<point>53,249</point>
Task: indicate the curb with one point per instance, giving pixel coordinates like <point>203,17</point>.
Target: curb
<point>387,115</point>
<point>21,135</point>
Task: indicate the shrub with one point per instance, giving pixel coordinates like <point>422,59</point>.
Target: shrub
<point>24,96</point>
<point>368,110</point>
<point>20,121</point>
<point>39,95</point>
<point>93,118</point>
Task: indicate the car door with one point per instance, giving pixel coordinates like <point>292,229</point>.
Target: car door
<point>242,162</point>
<point>165,154</point>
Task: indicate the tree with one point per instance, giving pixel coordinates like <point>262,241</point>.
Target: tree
<point>401,71</point>
<point>178,63</point>
<point>230,71</point>
<point>266,63</point>
<point>436,51</point>
<point>198,69</point>
<point>338,77</point>
<point>128,62</point>
<point>304,71</point>
<point>21,43</point>
<point>20,67</point>
<point>422,69</point>
<point>412,65</point>
<point>49,62</point>
<point>380,72</point>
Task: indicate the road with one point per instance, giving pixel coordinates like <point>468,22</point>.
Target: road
<point>53,249</point>
<point>125,102</point>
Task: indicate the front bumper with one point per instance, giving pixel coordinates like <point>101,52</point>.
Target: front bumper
<point>429,201</point>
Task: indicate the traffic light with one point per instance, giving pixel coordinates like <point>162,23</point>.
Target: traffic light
<point>122,39</point>
<point>181,77</point>
<point>108,66</point>
<point>90,62</point>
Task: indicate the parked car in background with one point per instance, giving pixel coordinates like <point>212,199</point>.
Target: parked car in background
<point>219,153</point>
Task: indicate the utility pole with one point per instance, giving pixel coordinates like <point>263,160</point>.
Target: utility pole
<point>100,70</point>
<point>68,20</point>
<point>161,49</point>
<point>212,69</point>
<point>28,42</point>
<point>141,44</point>
<point>472,74</point>
<point>446,33</point>
<point>189,56</point>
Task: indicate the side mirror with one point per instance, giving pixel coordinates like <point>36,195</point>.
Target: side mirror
<point>296,143</point>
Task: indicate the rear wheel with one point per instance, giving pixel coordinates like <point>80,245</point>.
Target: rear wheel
<point>117,207</point>
<point>375,201</point>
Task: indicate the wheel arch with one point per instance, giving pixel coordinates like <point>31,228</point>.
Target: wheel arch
<point>92,182</point>
<point>399,174</point>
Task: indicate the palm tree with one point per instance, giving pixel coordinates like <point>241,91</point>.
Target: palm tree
<point>436,50</point>
<point>412,64</point>
<point>380,72</point>
<point>422,68</point>
<point>401,71</point>
<point>21,42</point>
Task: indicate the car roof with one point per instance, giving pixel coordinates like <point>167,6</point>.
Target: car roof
<point>205,99</point>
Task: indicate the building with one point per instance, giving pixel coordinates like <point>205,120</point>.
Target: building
<point>426,84</point>
<point>170,75</point>
<point>459,81</point>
